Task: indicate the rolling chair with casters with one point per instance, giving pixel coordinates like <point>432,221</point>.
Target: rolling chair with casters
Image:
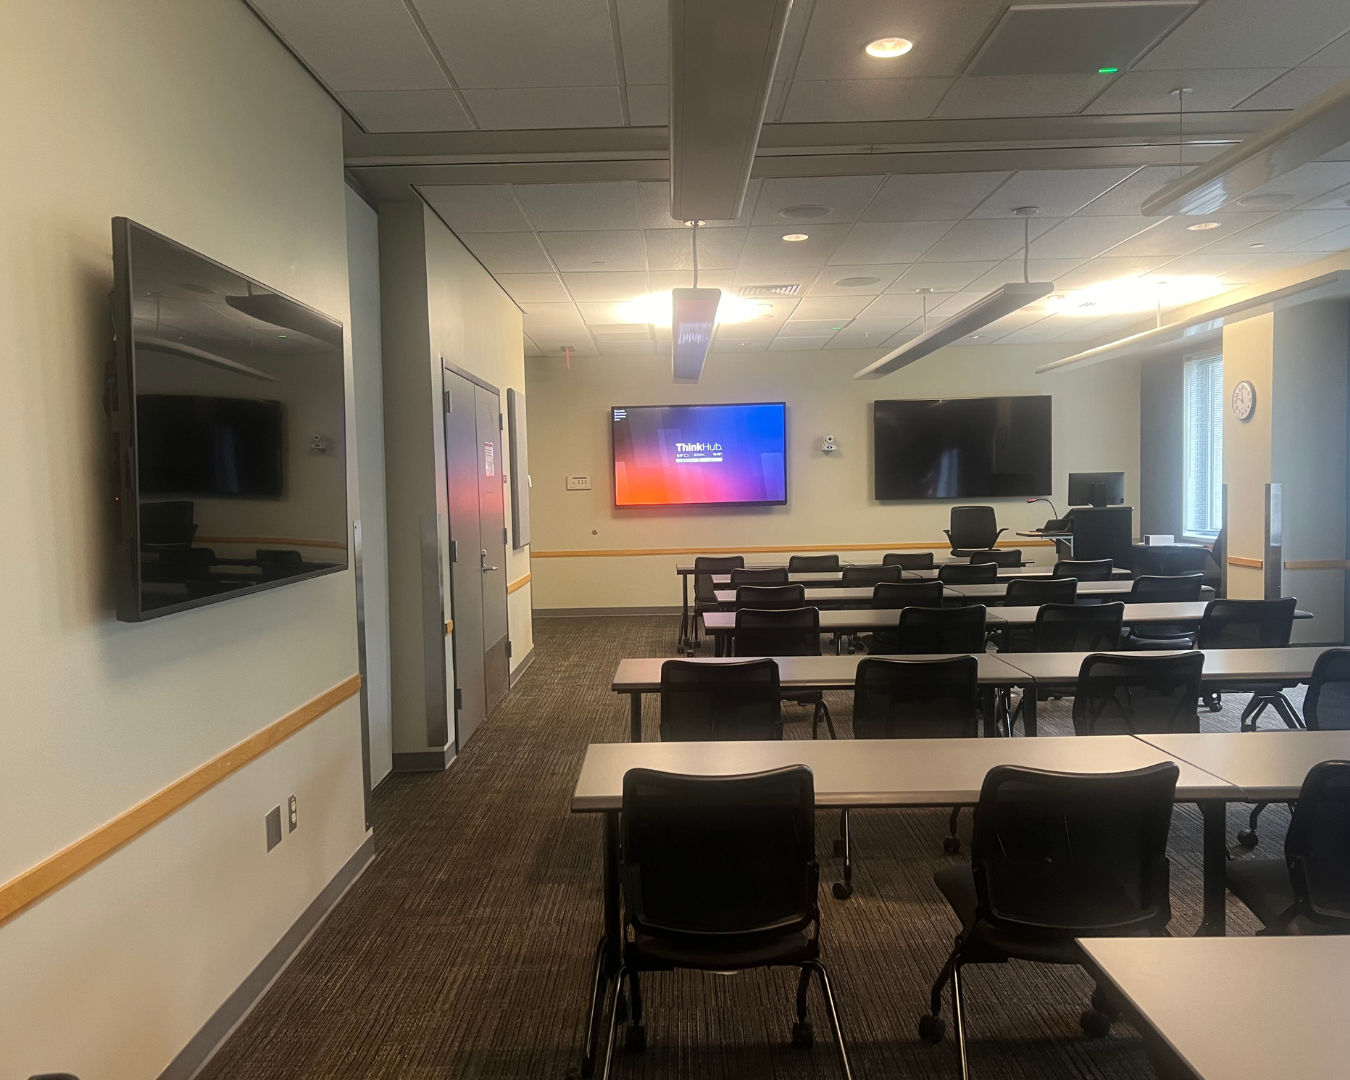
<point>1033,592</point>
<point>911,699</point>
<point>772,576</point>
<point>714,702</point>
<point>973,528</point>
<point>1325,708</point>
<point>1084,569</point>
<point>918,560</point>
<point>1308,891</point>
<point>968,573</point>
<point>1170,589</point>
<point>812,564</point>
<point>1250,624</point>
<point>705,590</point>
<point>1069,628</point>
<point>858,577</point>
<point>770,597</point>
<point>892,595</point>
<point>1054,857</point>
<point>1002,557</point>
<point>785,632</point>
<point>1138,695</point>
<point>718,874</point>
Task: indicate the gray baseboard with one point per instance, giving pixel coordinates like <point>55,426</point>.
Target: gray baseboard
<point>519,670</point>
<point>202,1046</point>
<point>583,612</point>
<point>424,760</point>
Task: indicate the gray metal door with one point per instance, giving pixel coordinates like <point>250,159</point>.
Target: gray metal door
<point>461,476</point>
<point>492,553</point>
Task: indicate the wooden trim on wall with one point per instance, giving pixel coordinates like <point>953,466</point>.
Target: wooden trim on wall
<point>1239,560</point>
<point>1322,564</point>
<point>280,541</point>
<point>617,553</point>
<point>519,583</point>
<point>52,873</point>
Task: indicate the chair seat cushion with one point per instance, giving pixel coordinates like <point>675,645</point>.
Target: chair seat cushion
<point>1263,885</point>
<point>1134,640</point>
<point>710,954</point>
<point>986,944</point>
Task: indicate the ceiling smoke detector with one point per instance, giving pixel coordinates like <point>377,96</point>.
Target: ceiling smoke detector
<point>856,282</point>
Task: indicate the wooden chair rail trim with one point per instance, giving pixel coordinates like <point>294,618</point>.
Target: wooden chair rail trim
<point>519,583</point>
<point>1322,564</point>
<point>279,541</point>
<point>46,877</point>
<point>616,553</point>
<point>1242,560</point>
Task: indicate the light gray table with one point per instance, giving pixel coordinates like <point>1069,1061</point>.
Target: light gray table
<point>1268,766</point>
<point>1293,990</point>
<point>1104,590</point>
<point>838,595</point>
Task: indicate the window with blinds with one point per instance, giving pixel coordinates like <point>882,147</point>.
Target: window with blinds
<point>1202,514</point>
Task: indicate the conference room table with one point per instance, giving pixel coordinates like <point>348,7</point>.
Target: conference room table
<point>981,593</point>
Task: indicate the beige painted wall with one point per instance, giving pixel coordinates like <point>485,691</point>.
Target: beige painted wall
<point>1096,427</point>
<point>193,120</point>
<point>1248,353</point>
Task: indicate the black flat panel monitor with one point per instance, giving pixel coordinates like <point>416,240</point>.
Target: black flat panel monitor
<point>228,411</point>
<point>962,448</point>
<point>1096,488</point>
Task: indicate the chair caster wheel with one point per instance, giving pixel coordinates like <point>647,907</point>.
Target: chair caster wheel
<point>951,844</point>
<point>1215,703</point>
<point>838,845</point>
<point>1096,1025</point>
<point>932,1028</point>
<point>803,1038</point>
<point>636,1038</point>
<point>1248,839</point>
<point>1104,1005</point>
<point>842,890</point>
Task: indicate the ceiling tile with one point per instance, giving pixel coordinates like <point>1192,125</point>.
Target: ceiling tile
<point>1128,196</point>
<point>406,110</point>
<point>831,307</point>
<point>1018,95</point>
<point>728,342</point>
<point>1338,240</point>
<point>556,107</point>
<point>552,344</point>
<point>531,349</point>
<point>477,208</point>
<point>932,196</point>
<point>644,30</point>
<point>1111,269</point>
<point>765,247</point>
<point>607,285</point>
<point>992,238</point>
<point>842,197</point>
<point>661,280</point>
<point>1091,329</point>
<point>808,328</point>
<point>942,277</point>
<point>1286,231</point>
<point>1308,183</point>
<point>1332,200</point>
<point>561,43</point>
<point>951,305</point>
<point>799,344</point>
<point>843,100</point>
<point>1011,270</point>
<point>648,106</point>
<point>1212,90</point>
<point>597,250</point>
<point>890,242</point>
<point>606,317</point>
<point>904,305</point>
<point>1174,235</point>
<point>544,317</point>
<point>566,207</point>
<point>356,44</point>
<point>1086,237</point>
<point>672,249</point>
<point>1248,34</point>
<point>1296,88</point>
<point>827,282</point>
<point>1055,193</point>
<point>534,288</point>
<point>870,333</point>
<point>654,204</point>
<point>1337,54</point>
<point>626,348</point>
<point>508,253</point>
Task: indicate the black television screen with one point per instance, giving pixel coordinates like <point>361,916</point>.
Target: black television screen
<point>962,448</point>
<point>228,411</point>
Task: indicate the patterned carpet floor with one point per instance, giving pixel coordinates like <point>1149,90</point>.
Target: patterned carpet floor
<point>464,950</point>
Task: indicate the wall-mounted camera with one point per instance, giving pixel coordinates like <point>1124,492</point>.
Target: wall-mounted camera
<point>828,444</point>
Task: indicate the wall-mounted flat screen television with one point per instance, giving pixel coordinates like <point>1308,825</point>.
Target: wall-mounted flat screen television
<point>962,448</point>
<point>699,455</point>
<point>228,411</point>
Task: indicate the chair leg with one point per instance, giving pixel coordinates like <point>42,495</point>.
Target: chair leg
<point>803,984</point>
<point>1248,837</point>
<point>844,889</point>
<point>1287,712</point>
<point>1251,712</point>
<point>1213,702</point>
<point>959,1016</point>
<point>951,844</point>
<point>819,969</point>
<point>614,1021</point>
<point>824,710</point>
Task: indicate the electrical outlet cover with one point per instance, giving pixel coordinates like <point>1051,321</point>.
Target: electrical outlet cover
<point>293,818</point>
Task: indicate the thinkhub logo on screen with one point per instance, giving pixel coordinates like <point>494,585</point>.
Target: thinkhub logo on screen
<point>694,453</point>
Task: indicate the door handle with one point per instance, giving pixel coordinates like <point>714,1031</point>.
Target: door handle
<point>482,562</point>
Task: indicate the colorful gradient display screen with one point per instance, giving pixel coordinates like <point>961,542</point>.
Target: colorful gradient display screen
<point>697,455</point>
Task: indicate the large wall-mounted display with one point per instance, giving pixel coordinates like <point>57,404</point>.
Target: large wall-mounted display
<point>228,413</point>
<point>962,448</point>
<point>699,455</point>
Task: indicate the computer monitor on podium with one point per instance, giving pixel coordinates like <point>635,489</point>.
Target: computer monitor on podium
<point>1096,488</point>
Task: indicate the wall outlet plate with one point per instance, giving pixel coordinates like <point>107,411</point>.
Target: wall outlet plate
<point>578,483</point>
<point>273,827</point>
<point>292,816</point>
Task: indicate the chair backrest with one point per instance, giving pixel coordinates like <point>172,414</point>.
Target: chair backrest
<point>1327,704</point>
<point>1081,854</point>
<point>771,596</point>
<point>900,594</point>
<point>1077,627</point>
<point>863,576</point>
<point>706,702</point>
<point>941,630</point>
<point>1316,844</point>
<point>909,560</point>
<point>730,856</point>
<point>973,527</point>
<point>968,573</point>
<point>704,568</point>
<point>916,699</point>
<point>998,556</point>
<point>1033,592</point>
<point>810,564</point>
<point>788,632</point>
<point>774,576</point>
<point>1084,569</point>
<point>1140,694</point>
<point>1170,589</point>
<point>1247,624</point>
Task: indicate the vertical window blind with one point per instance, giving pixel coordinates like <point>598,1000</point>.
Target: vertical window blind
<point>1202,514</point>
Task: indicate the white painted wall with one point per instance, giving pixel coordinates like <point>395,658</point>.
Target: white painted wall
<point>193,120</point>
<point>1096,428</point>
<point>1248,354</point>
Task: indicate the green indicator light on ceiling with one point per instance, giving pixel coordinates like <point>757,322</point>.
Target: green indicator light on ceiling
<point>1107,71</point>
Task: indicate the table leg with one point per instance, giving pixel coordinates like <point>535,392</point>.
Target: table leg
<point>635,717</point>
<point>1029,711</point>
<point>1215,861</point>
<point>989,706</point>
<point>685,641</point>
<point>608,950</point>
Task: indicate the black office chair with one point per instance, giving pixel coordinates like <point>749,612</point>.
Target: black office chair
<point>858,577</point>
<point>911,699</point>
<point>1326,707</point>
<point>1250,624</point>
<point>772,576</point>
<point>901,595</point>
<point>1169,561</point>
<point>1137,695</point>
<point>812,564</point>
<point>968,573</point>
<point>941,630</point>
<point>1001,557</point>
<point>1171,589</point>
<point>770,597</point>
<point>708,702</point>
<point>1084,569</point>
<point>785,632</point>
<point>1054,857</point>
<point>1308,891</point>
<point>1033,592</point>
<point>973,528</point>
<point>918,560</point>
<point>705,589</point>
<point>1068,628</point>
<point>719,873</point>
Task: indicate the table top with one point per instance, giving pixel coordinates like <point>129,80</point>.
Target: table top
<point>845,620</point>
<point>1292,991</point>
<point>801,672</point>
<point>1117,588</point>
<point>827,596</point>
<point>685,569</point>
<point>1135,614</point>
<point>1269,766</point>
<point>880,772</point>
<point>1293,664</point>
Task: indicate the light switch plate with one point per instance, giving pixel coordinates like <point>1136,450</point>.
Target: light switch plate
<point>578,483</point>
<point>273,827</point>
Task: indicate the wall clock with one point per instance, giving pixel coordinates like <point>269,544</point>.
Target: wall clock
<point>1244,399</point>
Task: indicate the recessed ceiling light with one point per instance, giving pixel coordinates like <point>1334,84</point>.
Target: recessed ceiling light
<point>1258,245</point>
<point>856,282</point>
<point>1265,200</point>
<point>1201,226</point>
<point>795,237</point>
<point>889,46</point>
<point>805,212</point>
<point>1128,295</point>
